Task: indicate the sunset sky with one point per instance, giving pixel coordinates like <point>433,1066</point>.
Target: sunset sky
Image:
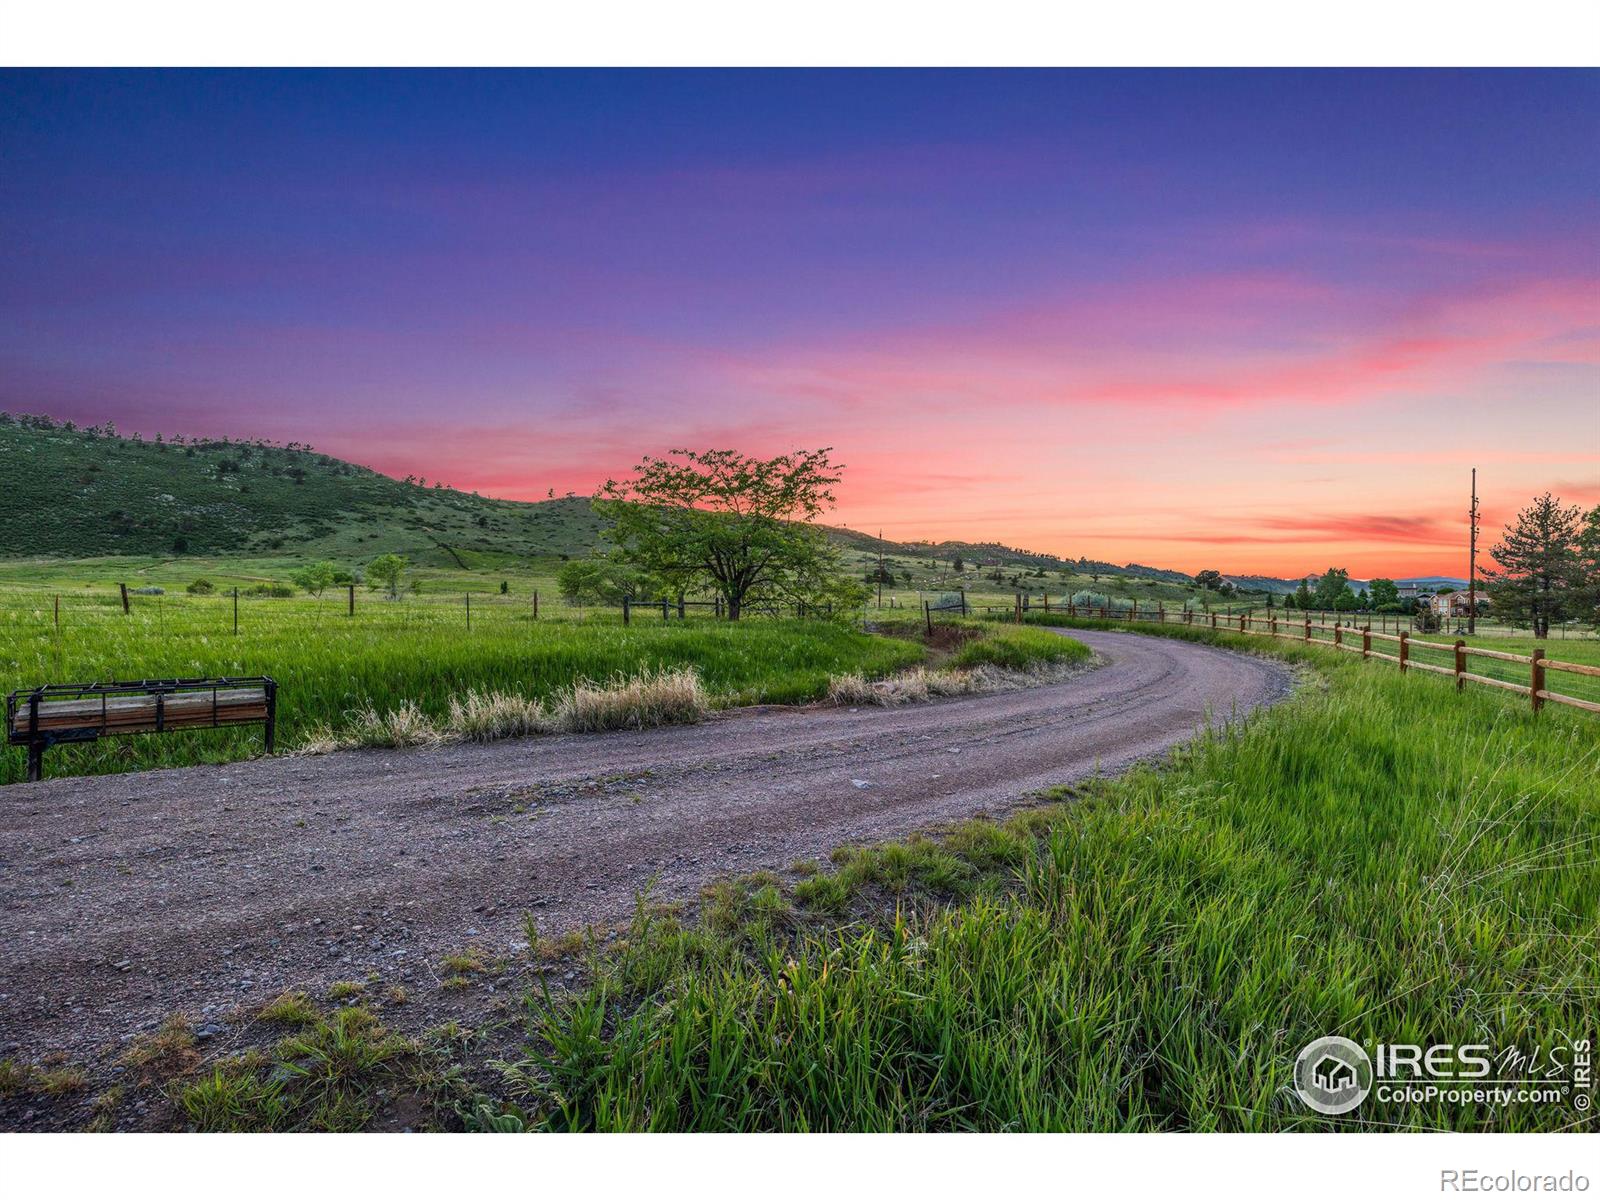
<point>1258,321</point>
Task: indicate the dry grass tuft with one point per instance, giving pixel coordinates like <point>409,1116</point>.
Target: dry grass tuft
<point>908,687</point>
<point>407,725</point>
<point>489,716</point>
<point>654,698</point>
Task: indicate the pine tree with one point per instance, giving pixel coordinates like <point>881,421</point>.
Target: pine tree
<point>1538,559</point>
<point>1586,569</point>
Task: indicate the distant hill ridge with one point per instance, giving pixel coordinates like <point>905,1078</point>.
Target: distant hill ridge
<point>76,492</point>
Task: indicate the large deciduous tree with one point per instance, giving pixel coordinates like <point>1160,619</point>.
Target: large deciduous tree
<point>739,525</point>
<point>1538,558</point>
<point>1384,592</point>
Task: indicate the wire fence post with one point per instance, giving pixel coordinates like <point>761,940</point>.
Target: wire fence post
<point>125,609</point>
<point>236,612</point>
<point>536,604</point>
<point>469,612</point>
<point>352,589</point>
<point>927,617</point>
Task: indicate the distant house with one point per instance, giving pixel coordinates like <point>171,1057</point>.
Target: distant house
<point>1456,604</point>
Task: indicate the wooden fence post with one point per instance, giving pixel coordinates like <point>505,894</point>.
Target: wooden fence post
<point>625,614</point>
<point>681,612</point>
<point>1047,601</point>
<point>1405,649</point>
<point>1243,620</point>
<point>1536,679</point>
<point>1461,664</point>
<point>1019,608</point>
<point>1213,620</point>
<point>1366,639</point>
<point>58,612</point>
<point>663,609</point>
<point>1308,628</point>
<point>963,593</point>
<point>124,588</point>
<point>352,588</point>
<point>927,617</point>
<point>536,604</point>
<point>235,612</point>
<point>469,612</point>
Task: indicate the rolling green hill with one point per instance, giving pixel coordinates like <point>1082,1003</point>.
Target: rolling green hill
<point>79,493</point>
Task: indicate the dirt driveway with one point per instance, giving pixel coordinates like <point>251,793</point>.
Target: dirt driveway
<point>125,898</point>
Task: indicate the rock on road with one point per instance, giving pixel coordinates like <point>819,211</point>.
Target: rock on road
<point>126,897</point>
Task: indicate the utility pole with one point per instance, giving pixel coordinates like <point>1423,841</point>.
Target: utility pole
<point>1472,559</point>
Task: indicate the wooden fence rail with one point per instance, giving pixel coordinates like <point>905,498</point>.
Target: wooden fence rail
<point>1302,629</point>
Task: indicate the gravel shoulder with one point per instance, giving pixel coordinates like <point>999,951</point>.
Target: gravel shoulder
<point>125,898</point>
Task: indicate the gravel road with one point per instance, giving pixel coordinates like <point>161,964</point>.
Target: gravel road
<point>125,898</point>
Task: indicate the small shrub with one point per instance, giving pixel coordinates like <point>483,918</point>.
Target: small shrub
<point>201,587</point>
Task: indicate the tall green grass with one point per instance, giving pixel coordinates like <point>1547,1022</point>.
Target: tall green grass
<point>1372,858</point>
<point>329,667</point>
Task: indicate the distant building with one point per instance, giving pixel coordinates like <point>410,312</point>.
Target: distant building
<point>1456,604</point>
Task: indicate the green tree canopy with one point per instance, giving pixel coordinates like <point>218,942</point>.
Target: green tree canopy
<point>598,580</point>
<point>316,577</point>
<point>1538,557</point>
<point>386,571</point>
<point>1333,588</point>
<point>740,525</point>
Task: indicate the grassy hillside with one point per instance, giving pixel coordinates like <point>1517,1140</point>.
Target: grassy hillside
<point>86,493</point>
<point>78,493</point>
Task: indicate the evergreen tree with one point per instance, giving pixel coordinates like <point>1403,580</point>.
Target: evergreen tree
<point>1538,559</point>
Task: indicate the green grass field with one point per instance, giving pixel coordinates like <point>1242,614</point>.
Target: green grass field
<point>1377,857</point>
<point>420,650</point>
<point>329,666</point>
<point>1371,858</point>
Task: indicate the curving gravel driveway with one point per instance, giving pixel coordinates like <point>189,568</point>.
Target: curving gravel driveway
<point>124,898</point>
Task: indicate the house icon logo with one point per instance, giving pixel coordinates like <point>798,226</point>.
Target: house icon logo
<point>1332,1075</point>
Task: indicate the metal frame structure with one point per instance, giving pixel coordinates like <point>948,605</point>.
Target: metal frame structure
<point>22,711</point>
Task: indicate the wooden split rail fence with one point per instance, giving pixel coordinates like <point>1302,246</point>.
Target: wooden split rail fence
<point>1360,640</point>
